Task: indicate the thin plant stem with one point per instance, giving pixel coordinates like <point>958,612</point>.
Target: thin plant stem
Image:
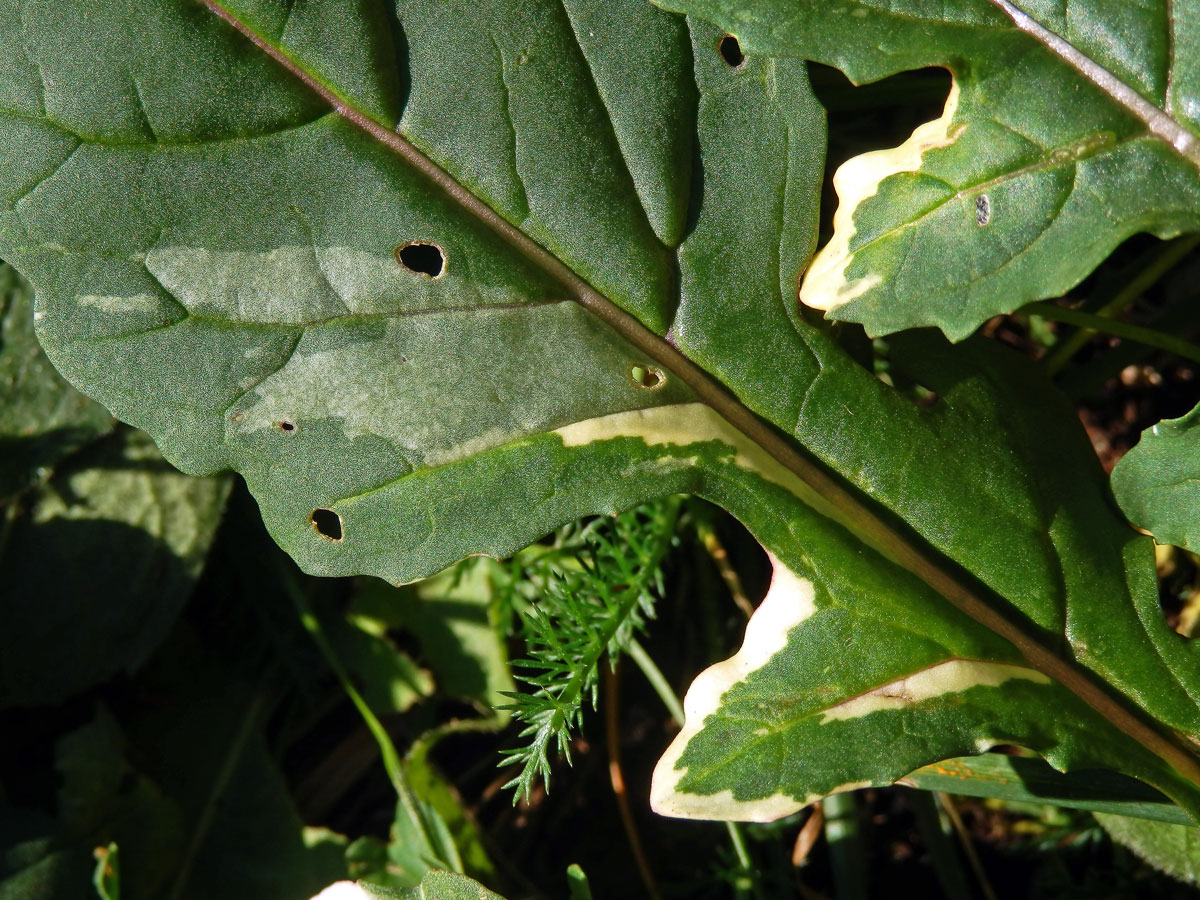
<point>392,762</point>
<point>845,846</point>
<point>612,733</point>
<point>1106,325</point>
<point>233,755</point>
<point>636,652</point>
<point>1170,256</point>
<point>964,837</point>
<point>708,536</point>
<point>747,884</point>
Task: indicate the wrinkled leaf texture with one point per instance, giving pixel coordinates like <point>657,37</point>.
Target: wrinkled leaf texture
<point>212,202</point>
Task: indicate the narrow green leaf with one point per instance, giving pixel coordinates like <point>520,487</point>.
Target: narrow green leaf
<point>1032,781</point>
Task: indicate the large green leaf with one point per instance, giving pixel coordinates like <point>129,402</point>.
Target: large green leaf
<point>1070,127</point>
<point>216,205</point>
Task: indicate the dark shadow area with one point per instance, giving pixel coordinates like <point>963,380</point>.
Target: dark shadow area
<point>875,116</point>
<point>82,601</point>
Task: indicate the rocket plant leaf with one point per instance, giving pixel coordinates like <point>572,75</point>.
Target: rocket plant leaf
<point>439,278</point>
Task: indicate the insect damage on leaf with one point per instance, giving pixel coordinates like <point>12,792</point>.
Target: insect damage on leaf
<point>827,284</point>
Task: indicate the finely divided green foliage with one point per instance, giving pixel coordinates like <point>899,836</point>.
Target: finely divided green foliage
<point>1070,127</point>
<point>594,589</point>
<point>215,252</point>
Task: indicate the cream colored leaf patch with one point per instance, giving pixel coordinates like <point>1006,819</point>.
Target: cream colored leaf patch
<point>826,285</point>
<point>684,424</point>
<point>789,601</point>
<point>951,677</point>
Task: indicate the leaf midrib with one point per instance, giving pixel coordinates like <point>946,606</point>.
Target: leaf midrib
<point>1160,122</point>
<point>833,499</point>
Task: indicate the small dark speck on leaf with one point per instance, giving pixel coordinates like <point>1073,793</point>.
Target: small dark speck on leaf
<point>422,258</point>
<point>731,51</point>
<point>327,524</point>
<point>287,426</point>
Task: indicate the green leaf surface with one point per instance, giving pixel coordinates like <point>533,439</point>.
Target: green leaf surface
<point>1157,483</point>
<point>436,885</point>
<point>1174,849</point>
<point>1027,780</point>
<point>42,418</point>
<point>125,536</point>
<point>221,259</point>
<point>452,615</point>
<point>390,679</point>
<point>1069,128</point>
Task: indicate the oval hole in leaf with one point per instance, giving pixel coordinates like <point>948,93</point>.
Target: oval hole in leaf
<point>422,258</point>
<point>731,51</point>
<point>287,427</point>
<point>647,377</point>
<point>327,524</point>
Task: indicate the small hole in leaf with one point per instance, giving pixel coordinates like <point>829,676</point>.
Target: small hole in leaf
<point>287,427</point>
<point>731,51</point>
<point>422,258</point>
<point>327,524</point>
<point>646,377</point>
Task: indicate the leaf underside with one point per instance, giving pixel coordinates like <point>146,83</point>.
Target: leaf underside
<point>220,259</point>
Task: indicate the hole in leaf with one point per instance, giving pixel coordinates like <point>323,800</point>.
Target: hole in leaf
<point>422,258</point>
<point>327,524</point>
<point>876,116</point>
<point>731,51</point>
<point>647,377</point>
<point>286,427</point>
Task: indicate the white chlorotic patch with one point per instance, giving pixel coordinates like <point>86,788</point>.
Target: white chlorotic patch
<point>789,602</point>
<point>343,890</point>
<point>285,285</point>
<point>691,423</point>
<point>118,304</point>
<point>951,677</point>
<point>825,284</point>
